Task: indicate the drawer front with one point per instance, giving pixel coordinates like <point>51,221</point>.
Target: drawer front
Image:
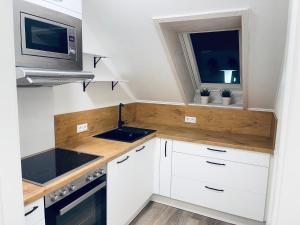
<point>221,198</point>
<point>34,212</point>
<point>236,175</point>
<point>243,156</point>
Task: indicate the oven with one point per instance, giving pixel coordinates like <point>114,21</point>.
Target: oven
<point>46,39</point>
<point>85,206</point>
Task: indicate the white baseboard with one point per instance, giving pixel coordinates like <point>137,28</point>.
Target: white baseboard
<point>205,211</point>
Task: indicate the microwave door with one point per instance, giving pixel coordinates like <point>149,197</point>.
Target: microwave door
<point>45,38</point>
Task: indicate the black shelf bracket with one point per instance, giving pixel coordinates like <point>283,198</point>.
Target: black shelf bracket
<point>97,59</point>
<point>85,84</point>
<point>113,84</point>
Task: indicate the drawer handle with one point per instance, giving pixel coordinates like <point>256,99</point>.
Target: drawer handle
<point>138,150</point>
<point>214,189</point>
<point>218,164</point>
<point>166,142</point>
<point>215,150</point>
<point>123,160</point>
<point>31,211</point>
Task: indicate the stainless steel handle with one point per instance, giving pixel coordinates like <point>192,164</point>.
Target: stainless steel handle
<point>218,164</point>
<point>216,150</point>
<point>123,160</point>
<point>138,150</point>
<point>81,199</point>
<point>31,211</point>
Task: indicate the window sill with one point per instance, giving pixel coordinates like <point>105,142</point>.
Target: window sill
<point>219,105</point>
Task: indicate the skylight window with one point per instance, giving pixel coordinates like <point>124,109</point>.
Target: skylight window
<point>214,57</point>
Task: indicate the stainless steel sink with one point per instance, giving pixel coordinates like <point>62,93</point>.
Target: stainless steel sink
<point>125,134</point>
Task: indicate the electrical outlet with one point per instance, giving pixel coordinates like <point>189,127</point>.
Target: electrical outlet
<point>82,127</point>
<point>190,119</point>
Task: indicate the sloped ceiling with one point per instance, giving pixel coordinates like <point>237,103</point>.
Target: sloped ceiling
<point>127,33</point>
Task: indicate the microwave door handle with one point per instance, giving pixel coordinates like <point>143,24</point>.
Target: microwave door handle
<point>81,199</point>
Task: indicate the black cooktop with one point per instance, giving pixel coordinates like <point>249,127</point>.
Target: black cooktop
<point>44,167</point>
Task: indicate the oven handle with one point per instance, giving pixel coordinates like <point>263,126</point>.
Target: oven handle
<point>81,199</point>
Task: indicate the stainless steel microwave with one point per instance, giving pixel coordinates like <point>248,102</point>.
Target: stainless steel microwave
<point>46,39</point>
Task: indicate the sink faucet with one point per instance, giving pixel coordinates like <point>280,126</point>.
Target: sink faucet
<point>120,122</point>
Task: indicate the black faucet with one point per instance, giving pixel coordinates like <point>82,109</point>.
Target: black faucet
<point>120,122</point>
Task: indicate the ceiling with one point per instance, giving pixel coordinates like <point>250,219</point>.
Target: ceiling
<point>127,33</point>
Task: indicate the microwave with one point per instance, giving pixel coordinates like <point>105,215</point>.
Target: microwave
<point>46,39</point>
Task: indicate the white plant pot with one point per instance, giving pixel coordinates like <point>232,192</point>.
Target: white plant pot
<point>226,100</point>
<point>204,100</point>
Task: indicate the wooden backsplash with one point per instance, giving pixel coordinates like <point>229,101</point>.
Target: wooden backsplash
<point>215,119</point>
<point>98,120</point>
<point>208,118</point>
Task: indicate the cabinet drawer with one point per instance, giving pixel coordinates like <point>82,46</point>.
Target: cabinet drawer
<point>232,174</point>
<point>243,156</point>
<point>34,212</point>
<point>221,198</point>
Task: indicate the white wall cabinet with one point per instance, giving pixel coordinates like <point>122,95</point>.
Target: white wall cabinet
<point>165,167</point>
<point>69,7</point>
<point>129,183</point>
<point>35,213</point>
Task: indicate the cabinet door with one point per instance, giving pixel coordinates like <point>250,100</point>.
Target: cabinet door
<point>42,222</point>
<point>144,172</point>
<point>165,168</point>
<point>69,7</point>
<point>120,189</point>
<point>34,212</point>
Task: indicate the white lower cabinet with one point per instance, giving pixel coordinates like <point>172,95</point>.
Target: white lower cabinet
<point>228,180</point>
<point>219,197</point>
<point>224,179</point>
<point>129,183</point>
<point>35,213</point>
<point>165,167</point>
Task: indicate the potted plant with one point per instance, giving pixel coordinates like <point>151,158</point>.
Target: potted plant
<point>226,96</point>
<point>205,93</point>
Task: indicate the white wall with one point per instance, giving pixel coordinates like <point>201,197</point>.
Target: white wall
<point>71,98</point>
<point>285,202</point>
<point>126,31</point>
<point>11,196</point>
<point>36,119</point>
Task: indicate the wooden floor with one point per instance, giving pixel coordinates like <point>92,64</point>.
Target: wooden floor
<point>159,214</point>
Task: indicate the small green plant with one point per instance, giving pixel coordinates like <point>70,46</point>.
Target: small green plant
<point>205,92</point>
<point>226,93</point>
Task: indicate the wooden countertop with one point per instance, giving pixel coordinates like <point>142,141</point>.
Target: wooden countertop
<point>113,149</point>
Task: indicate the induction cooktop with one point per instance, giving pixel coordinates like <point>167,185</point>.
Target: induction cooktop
<point>44,167</point>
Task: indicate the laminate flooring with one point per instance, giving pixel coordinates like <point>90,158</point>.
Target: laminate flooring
<point>159,214</point>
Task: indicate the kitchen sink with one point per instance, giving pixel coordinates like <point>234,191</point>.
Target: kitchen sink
<point>125,134</point>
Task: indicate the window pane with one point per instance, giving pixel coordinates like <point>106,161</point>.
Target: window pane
<point>217,56</point>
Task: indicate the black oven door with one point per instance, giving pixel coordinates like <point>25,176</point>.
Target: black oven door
<point>86,206</point>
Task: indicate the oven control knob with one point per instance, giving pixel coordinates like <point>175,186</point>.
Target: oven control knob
<point>102,171</point>
<point>63,192</point>
<point>72,51</point>
<point>54,198</point>
<point>72,188</point>
<point>97,174</point>
<point>89,178</point>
